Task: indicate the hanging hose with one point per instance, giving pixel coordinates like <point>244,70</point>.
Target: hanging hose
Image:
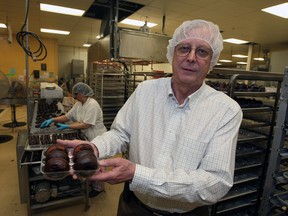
<point>22,38</point>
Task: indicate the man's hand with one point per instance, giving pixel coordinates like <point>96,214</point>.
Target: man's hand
<point>117,170</point>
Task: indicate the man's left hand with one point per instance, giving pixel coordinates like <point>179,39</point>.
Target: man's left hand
<point>118,170</point>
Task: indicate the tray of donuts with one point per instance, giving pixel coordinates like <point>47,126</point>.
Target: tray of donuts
<point>58,161</point>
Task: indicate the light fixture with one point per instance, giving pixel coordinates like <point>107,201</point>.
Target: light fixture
<point>87,44</point>
<point>53,31</point>
<point>98,37</point>
<point>259,59</point>
<point>280,10</point>
<point>61,10</point>
<point>2,25</point>
<point>242,63</point>
<point>235,41</point>
<point>137,23</point>
<point>225,60</point>
<point>239,56</point>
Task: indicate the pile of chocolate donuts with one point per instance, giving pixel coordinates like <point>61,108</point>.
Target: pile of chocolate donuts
<point>82,159</point>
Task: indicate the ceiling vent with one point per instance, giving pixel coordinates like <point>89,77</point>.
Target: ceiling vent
<point>101,9</point>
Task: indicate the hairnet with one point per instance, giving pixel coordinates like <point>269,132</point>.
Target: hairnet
<point>199,29</point>
<point>82,88</point>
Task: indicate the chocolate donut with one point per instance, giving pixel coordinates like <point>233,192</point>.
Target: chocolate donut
<point>83,146</point>
<point>81,154</point>
<point>86,162</point>
<point>56,165</point>
<point>57,154</point>
<point>56,147</point>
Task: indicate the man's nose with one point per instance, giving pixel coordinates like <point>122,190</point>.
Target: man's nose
<point>191,55</point>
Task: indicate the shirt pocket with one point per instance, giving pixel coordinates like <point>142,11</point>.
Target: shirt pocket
<point>189,152</point>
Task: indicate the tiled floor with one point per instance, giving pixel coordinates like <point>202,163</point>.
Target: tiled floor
<point>105,204</point>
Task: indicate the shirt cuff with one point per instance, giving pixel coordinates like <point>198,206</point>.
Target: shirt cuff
<point>142,178</point>
<point>100,148</point>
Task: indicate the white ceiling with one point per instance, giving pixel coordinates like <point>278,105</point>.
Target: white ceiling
<point>242,19</point>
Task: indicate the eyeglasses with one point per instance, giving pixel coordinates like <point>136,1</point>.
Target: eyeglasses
<point>200,52</point>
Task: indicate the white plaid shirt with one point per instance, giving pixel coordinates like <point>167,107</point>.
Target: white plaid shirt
<point>184,154</point>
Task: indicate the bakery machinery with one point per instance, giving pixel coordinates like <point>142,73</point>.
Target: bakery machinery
<point>36,190</point>
<point>50,90</point>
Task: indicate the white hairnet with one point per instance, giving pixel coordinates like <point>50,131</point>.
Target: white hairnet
<point>199,29</point>
<point>82,88</point>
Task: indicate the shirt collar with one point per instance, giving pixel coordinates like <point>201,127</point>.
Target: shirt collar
<point>191,98</point>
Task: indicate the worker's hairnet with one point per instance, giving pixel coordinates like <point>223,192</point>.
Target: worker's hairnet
<point>82,88</point>
<point>199,29</point>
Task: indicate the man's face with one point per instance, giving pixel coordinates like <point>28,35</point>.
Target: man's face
<point>191,62</point>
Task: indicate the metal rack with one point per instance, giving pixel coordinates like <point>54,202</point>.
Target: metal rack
<point>275,193</point>
<point>137,77</point>
<point>109,86</point>
<point>254,140</point>
<point>255,135</point>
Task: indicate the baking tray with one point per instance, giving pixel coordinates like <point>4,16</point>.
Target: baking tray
<point>43,141</point>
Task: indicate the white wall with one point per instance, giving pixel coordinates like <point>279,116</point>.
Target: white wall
<point>166,67</point>
<point>65,56</point>
<point>279,60</point>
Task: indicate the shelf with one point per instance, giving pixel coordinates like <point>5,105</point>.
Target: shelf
<point>235,206</point>
<point>56,202</point>
<point>280,178</point>
<point>244,178</point>
<point>238,194</point>
<point>255,94</point>
<point>242,167</point>
<point>280,200</point>
<point>257,109</point>
<point>284,153</point>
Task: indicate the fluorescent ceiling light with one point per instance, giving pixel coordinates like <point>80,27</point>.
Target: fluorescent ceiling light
<point>61,10</point>
<point>235,41</point>
<point>240,56</point>
<point>280,10</point>
<point>225,60</point>
<point>2,25</point>
<point>259,59</point>
<point>137,23</point>
<point>242,63</point>
<point>87,44</point>
<point>53,31</point>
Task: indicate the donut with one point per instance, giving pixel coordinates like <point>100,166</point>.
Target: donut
<point>86,162</point>
<point>54,147</point>
<point>56,165</point>
<point>57,154</point>
<point>81,154</point>
<point>83,146</point>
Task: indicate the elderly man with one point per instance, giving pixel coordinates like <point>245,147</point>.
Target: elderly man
<point>181,134</point>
